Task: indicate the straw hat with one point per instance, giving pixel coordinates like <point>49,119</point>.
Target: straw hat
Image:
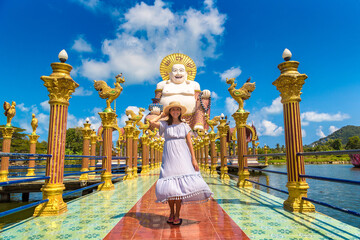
<point>174,104</point>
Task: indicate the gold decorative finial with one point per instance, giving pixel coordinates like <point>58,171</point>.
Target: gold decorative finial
<point>110,94</point>
<point>241,94</point>
<point>143,126</point>
<point>10,112</point>
<point>34,124</point>
<point>63,56</point>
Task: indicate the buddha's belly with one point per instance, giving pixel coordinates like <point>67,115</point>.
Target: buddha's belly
<point>188,101</point>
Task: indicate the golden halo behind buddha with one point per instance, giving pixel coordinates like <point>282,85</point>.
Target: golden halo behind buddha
<point>177,58</point>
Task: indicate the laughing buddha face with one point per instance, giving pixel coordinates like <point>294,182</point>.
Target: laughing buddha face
<point>178,74</point>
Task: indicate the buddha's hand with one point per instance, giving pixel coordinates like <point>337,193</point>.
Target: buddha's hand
<point>206,94</point>
<point>155,111</point>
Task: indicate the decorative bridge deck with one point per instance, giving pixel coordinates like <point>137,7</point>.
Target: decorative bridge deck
<point>130,212</point>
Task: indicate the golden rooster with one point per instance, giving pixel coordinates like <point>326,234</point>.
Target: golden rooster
<point>34,124</point>
<point>212,123</point>
<point>110,94</point>
<point>133,117</point>
<point>143,126</point>
<point>241,94</point>
<point>10,112</point>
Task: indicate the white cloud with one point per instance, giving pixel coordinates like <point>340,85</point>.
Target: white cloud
<point>91,4</point>
<point>214,96</point>
<point>332,129</point>
<point>322,117</point>
<point>80,91</point>
<point>45,105</point>
<point>233,72</point>
<point>81,45</point>
<point>34,109</point>
<point>303,133</point>
<point>319,132</point>
<point>22,107</point>
<point>271,129</point>
<point>275,107</point>
<point>231,105</point>
<point>142,42</point>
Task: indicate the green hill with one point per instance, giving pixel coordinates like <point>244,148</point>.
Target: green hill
<point>343,133</point>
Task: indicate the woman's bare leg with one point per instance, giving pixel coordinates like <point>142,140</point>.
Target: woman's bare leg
<point>172,210</point>
<point>178,207</point>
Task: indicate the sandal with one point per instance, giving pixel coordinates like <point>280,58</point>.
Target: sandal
<point>179,222</point>
<point>170,219</point>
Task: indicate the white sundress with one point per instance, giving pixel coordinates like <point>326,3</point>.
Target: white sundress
<point>178,179</point>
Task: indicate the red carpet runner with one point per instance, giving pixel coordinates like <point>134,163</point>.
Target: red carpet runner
<point>147,220</point>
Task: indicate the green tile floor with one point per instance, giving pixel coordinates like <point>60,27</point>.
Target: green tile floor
<point>258,214</point>
<point>261,215</point>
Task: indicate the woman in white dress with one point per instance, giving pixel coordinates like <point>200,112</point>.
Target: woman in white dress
<point>180,181</point>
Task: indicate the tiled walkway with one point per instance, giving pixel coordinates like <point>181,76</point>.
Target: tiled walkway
<point>233,213</point>
<point>147,220</point>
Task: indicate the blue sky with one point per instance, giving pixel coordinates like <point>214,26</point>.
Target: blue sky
<point>225,38</point>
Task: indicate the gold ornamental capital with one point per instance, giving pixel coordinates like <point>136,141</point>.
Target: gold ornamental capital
<point>212,136</point>
<point>240,118</point>
<point>93,137</point>
<point>7,132</point>
<point>290,82</point>
<point>136,133</point>
<point>33,138</point>
<point>223,128</point>
<point>86,131</point>
<point>60,84</point>
<point>129,129</point>
<point>108,119</point>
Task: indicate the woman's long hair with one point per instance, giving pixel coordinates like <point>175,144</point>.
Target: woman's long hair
<point>170,119</point>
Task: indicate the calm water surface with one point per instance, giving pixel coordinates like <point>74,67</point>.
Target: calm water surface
<point>338,194</point>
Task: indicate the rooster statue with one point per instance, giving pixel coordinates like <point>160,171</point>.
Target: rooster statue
<point>34,124</point>
<point>10,112</point>
<point>110,94</point>
<point>143,126</point>
<point>212,123</point>
<point>241,94</point>
<point>133,117</point>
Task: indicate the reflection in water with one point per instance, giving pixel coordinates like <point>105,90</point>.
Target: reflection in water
<point>337,194</point>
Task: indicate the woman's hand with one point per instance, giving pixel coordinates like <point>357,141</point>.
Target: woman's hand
<point>195,164</point>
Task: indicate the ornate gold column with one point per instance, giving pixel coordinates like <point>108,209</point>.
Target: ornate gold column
<point>86,131</point>
<point>33,140</point>
<point>7,133</point>
<point>129,140</point>
<point>223,128</point>
<point>266,157</point>
<point>108,121</point>
<point>152,154</point>
<point>145,154</point>
<point>60,86</point>
<point>206,153</point>
<point>93,139</point>
<point>243,173</point>
<point>135,151</point>
<point>202,152</point>
<point>289,84</point>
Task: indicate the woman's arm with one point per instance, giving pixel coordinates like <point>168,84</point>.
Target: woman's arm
<point>155,121</point>
<point>193,159</point>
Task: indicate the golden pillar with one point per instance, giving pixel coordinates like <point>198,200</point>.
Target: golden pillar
<point>161,150</point>
<point>145,154</point>
<point>243,173</point>
<point>93,140</point>
<point>33,140</point>
<point>212,137</point>
<point>206,153</point>
<point>7,133</point>
<point>135,151</point>
<point>129,141</point>
<point>86,131</point>
<point>289,84</point>
<point>60,86</point>
<point>152,154</point>
<point>266,157</point>
<point>108,121</point>
<point>202,152</point>
<point>223,128</point>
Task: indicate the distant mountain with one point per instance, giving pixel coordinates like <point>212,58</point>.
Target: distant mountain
<point>343,133</point>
